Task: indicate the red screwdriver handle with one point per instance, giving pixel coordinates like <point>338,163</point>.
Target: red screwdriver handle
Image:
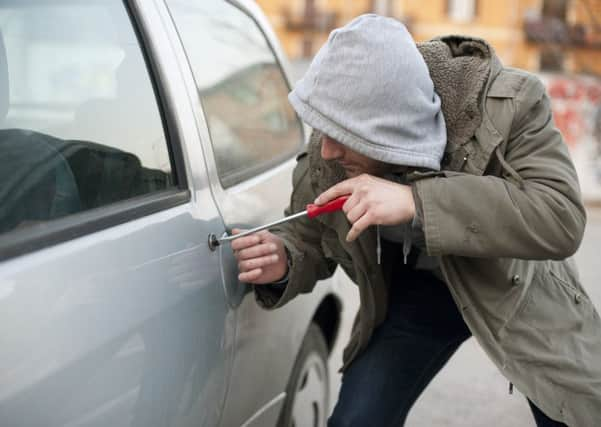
<point>332,206</point>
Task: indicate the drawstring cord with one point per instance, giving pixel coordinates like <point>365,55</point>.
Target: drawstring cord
<point>407,233</point>
<point>407,241</point>
<point>379,245</point>
<point>407,227</point>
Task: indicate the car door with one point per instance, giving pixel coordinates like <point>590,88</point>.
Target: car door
<point>112,307</point>
<point>253,132</point>
<point>253,136</point>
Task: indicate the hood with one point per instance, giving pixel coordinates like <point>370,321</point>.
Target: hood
<point>461,69</point>
<point>368,87</point>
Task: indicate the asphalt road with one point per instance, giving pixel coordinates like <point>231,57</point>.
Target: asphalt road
<point>469,391</point>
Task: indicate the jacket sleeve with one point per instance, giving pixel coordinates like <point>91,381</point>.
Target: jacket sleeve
<point>302,238</point>
<point>538,216</point>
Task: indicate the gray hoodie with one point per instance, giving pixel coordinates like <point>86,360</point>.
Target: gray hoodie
<point>348,94</point>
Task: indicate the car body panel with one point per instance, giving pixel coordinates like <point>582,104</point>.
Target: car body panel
<point>260,333</point>
<point>141,324</point>
<point>122,321</point>
<point>125,326</point>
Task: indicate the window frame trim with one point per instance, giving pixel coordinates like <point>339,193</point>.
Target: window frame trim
<point>279,160</point>
<point>166,110</point>
<point>49,233</point>
<point>250,173</point>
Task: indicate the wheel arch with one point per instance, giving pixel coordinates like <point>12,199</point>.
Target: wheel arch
<point>328,317</point>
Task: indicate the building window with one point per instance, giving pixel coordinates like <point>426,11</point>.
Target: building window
<point>383,7</point>
<point>555,9</point>
<point>551,59</point>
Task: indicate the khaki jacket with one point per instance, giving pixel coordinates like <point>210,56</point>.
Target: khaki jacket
<point>503,215</point>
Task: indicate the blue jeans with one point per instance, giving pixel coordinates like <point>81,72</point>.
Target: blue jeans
<point>421,332</point>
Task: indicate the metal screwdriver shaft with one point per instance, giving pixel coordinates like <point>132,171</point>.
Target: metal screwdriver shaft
<point>312,211</point>
<point>263,227</point>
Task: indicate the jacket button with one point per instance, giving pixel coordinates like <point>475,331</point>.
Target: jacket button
<point>577,298</point>
<point>473,227</point>
<point>516,280</point>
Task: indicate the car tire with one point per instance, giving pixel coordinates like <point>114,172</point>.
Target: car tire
<point>308,391</point>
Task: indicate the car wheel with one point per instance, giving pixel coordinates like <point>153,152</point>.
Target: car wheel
<point>307,393</point>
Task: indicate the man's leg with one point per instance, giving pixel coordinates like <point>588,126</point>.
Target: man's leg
<point>421,332</point>
<point>541,419</point>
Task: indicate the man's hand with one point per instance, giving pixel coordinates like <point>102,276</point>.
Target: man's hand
<point>373,201</point>
<point>261,257</point>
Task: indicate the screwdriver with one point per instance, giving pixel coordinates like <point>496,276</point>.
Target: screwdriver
<point>312,211</point>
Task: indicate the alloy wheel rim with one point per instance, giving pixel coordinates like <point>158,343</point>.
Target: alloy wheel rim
<point>309,406</point>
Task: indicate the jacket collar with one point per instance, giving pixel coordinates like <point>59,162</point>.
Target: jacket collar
<point>461,69</point>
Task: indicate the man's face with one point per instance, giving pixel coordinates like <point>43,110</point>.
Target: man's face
<point>353,163</point>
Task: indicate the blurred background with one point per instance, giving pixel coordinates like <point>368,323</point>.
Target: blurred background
<point>560,41</point>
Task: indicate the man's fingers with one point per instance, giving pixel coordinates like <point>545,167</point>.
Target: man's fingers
<point>351,202</point>
<point>263,234</point>
<point>254,263</point>
<point>257,251</point>
<point>341,189</point>
<point>358,227</point>
<point>250,240</point>
<point>356,212</point>
<point>250,276</point>
<point>245,242</point>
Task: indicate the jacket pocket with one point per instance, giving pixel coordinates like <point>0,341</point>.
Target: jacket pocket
<point>563,273</point>
<point>551,345</point>
<point>552,318</point>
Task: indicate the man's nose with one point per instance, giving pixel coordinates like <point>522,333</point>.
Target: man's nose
<point>331,149</point>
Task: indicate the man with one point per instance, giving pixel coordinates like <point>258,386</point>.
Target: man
<point>463,208</point>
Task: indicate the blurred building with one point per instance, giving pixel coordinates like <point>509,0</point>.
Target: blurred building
<point>558,39</point>
<point>538,35</point>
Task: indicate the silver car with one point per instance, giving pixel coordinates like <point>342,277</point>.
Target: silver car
<point>129,132</point>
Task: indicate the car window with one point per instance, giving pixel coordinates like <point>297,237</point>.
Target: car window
<point>241,87</point>
<point>80,126</point>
